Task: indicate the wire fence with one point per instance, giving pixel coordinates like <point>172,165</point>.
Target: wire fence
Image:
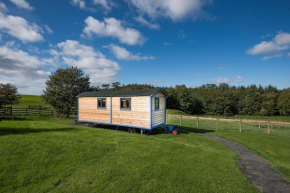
<point>230,125</point>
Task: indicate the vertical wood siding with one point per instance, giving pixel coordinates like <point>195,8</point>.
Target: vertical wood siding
<point>158,117</point>
<point>88,110</point>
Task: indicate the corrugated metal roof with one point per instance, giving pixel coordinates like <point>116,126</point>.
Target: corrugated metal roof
<point>123,93</point>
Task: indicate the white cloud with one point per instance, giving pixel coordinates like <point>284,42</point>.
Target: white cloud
<point>19,63</point>
<point>19,28</point>
<point>181,34</point>
<point>79,3</point>
<point>272,56</point>
<point>123,54</point>
<point>22,4</point>
<point>144,22</point>
<point>265,48</point>
<point>94,63</point>
<point>3,7</point>
<point>173,9</point>
<point>105,5</point>
<point>279,43</point>
<point>282,38</point>
<point>112,27</point>
<point>239,79</point>
<point>220,80</point>
<point>288,55</point>
<point>27,72</point>
<point>167,43</point>
<point>48,29</point>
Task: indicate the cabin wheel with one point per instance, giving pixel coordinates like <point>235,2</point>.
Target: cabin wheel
<point>132,130</point>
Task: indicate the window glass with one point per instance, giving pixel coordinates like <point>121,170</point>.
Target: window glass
<point>125,103</point>
<point>156,103</point>
<point>101,103</point>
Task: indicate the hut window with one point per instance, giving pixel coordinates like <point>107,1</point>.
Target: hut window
<point>125,103</point>
<point>157,103</point>
<point>101,103</point>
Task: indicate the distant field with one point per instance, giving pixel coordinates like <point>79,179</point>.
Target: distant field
<point>27,100</point>
<point>256,117</point>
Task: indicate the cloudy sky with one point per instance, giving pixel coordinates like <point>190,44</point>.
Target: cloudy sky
<point>164,42</point>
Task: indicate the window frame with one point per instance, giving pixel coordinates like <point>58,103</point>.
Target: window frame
<point>130,103</point>
<point>102,98</point>
<point>156,109</point>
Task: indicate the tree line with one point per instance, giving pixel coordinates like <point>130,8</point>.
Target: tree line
<point>229,100</point>
<point>63,86</point>
<point>222,99</point>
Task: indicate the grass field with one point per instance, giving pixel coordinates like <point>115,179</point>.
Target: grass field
<point>27,100</point>
<point>47,155</point>
<point>274,147</point>
<point>256,117</point>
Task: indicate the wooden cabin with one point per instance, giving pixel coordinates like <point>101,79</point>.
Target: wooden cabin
<point>142,109</point>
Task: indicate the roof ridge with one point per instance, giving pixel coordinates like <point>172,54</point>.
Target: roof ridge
<point>124,93</point>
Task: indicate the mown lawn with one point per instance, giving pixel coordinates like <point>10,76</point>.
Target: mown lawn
<point>274,147</point>
<point>47,155</point>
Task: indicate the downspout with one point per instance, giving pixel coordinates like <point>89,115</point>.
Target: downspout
<point>150,113</point>
<point>111,110</point>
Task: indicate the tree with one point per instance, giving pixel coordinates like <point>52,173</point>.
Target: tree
<point>105,86</point>
<point>62,89</point>
<point>8,95</point>
<point>116,85</point>
<point>284,103</point>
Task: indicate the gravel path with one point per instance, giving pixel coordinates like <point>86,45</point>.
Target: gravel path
<point>257,170</point>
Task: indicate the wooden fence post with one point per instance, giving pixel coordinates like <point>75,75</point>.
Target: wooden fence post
<point>217,124</point>
<point>11,111</point>
<point>25,111</point>
<point>240,125</point>
<point>51,113</point>
<point>180,119</point>
<point>268,127</point>
<point>197,122</point>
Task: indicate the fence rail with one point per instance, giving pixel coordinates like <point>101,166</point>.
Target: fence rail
<point>10,111</point>
<point>222,124</point>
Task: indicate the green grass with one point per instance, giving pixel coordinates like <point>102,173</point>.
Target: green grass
<point>47,155</point>
<point>256,117</point>
<point>274,147</point>
<point>27,100</point>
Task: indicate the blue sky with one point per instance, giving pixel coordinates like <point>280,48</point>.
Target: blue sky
<point>164,43</point>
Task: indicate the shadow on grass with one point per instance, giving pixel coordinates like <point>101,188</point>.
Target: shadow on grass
<point>186,130</point>
<point>19,131</point>
<point>13,119</point>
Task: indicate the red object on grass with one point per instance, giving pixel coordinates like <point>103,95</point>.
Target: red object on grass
<point>174,132</point>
